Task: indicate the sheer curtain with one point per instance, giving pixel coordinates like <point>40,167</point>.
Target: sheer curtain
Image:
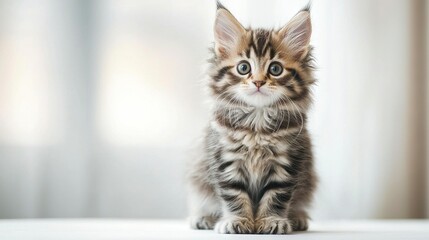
<point>101,100</point>
<point>45,112</point>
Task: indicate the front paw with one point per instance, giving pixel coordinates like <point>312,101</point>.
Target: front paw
<point>234,225</point>
<point>205,222</point>
<point>273,225</point>
<point>300,224</point>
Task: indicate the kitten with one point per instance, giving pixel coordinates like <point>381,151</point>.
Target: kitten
<point>255,174</point>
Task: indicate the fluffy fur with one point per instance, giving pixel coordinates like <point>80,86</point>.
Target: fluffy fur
<point>255,173</point>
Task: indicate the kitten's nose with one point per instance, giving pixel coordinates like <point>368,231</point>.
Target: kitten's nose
<point>259,84</point>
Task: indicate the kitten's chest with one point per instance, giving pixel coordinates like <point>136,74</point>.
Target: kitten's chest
<point>254,150</point>
<point>258,154</point>
<point>257,162</point>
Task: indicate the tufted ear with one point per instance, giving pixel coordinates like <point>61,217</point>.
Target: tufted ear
<point>228,31</point>
<point>296,34</point>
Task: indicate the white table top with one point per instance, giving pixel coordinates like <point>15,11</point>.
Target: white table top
<point>124,229</point>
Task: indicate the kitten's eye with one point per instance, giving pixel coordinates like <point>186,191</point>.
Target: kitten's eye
<point>275,69</point>
<point>243,68</point>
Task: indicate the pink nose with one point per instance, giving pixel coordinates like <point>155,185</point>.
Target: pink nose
<point>259,84</point>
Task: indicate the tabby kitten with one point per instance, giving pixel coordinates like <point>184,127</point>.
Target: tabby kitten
<point>255,174</point>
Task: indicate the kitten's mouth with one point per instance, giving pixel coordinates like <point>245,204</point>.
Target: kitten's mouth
<point>258,92</point>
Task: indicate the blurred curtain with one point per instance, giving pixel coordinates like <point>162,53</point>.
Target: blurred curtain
<point>369,116</point>
<point>100,101</point>
<point>45,108</point>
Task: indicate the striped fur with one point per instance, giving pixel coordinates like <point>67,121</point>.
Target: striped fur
<point>255,172</point>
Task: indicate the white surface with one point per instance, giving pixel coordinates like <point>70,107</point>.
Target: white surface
<point>94,229</point>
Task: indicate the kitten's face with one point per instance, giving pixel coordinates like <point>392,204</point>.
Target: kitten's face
<point>261,67</point>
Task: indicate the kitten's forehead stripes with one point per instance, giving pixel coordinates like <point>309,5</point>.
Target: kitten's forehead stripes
<point>261,39</point>
<point>260,43</point>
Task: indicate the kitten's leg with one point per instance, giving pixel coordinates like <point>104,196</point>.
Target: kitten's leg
<point>301,200</point>
<point>237,212</point>
<point>203,204</point>
<point>273,209</point>
<point>236,216</point>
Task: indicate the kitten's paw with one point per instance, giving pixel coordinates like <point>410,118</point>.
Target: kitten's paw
<point>234,225</point>
<point>299,224</point>
<point>273,225</point>
<point>299,220</point>
<point>205,222</point>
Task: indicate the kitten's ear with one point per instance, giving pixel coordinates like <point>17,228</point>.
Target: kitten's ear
<point>296,34</point>
<point>227,30</point>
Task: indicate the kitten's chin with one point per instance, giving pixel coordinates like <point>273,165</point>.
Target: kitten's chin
<point>258,98</point>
